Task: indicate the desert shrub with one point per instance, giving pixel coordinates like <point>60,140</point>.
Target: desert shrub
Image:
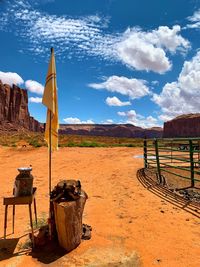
<point>13,145</point>
<point>130,145</point>
<point>35,143</point>
<point>4,144</point>
<point>89,144</point>
<point>41,221</point>
<point>71,144</point>
<point>26,245</point>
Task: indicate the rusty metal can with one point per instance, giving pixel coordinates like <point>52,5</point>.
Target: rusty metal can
<point>23,185</point>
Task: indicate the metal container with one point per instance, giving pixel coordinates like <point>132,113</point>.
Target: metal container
<point>23,185</point>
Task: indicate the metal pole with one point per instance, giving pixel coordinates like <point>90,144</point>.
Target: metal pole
<point>171,150</point>
<point>50,143</point>
<point>50,153</point>
<point>50,211</point>
<point>145,153</point>
<point>198,154</point>
<point>158,160</point>
<point>191,163</point>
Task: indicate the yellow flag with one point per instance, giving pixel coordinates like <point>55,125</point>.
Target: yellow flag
<point>51,102</point>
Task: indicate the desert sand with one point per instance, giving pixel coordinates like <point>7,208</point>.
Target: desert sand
<point>132,226</point>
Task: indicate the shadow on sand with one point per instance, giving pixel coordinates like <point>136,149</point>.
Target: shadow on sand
<point>45,254</point>
<point>48,253</point>
<point>7,248</point>
<point>146,180</point>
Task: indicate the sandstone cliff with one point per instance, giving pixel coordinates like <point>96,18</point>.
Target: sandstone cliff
<point>14,113</point>
<point>112,130</point>
<point>183,126</point>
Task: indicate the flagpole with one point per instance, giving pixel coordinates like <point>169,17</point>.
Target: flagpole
<point>50,145</point>
<point>50,152</point>
<point>50,216</point>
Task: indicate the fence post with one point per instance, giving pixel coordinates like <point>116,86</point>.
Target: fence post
<point>191,163</point>
<point>145,153</point>
<point>157,160</point>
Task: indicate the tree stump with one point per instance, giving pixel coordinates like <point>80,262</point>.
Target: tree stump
<point>68,219</point>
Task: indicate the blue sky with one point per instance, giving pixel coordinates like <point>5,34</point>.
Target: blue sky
<point>118,61</point>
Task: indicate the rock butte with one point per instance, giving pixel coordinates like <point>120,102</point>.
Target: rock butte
<point>183,126</point>
<point>14,113</point>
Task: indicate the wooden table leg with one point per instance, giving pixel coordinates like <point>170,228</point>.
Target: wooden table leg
<point>31,223</point>
<point>5,220</point>
<point>35,210</point>
<point>13,224</point>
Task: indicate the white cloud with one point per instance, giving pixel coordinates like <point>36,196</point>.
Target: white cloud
<point>194,20</point>
<point>195,17</point>
<point>72,120</point>
<point>108,121</point>
<point>165,117</point>
<point>11,78</point>
<point>173,102</point>
<point>155,83</point>
<point>131,114</point>
<point>189,78</point>
<point>133,88</point>
<point>170,39</point>
<point>146,50</point>
<point>34,87</point>
<point>142,55</point>
<point>114,101</point>
<point>70,36</point>
<point>138,120</point>
<point>121,113</point>
<point>35,99</point>
<point>182,96</point>
<point>83,36</point>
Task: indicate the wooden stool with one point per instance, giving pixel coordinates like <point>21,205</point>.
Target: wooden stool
<point>25,200</point>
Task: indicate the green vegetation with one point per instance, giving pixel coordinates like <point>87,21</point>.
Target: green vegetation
<point>26,245</point>
<point>98,141</point>
<point>41,221</point>
<point>24,139</point>
<point>20,139</point>
<point>34,142</point>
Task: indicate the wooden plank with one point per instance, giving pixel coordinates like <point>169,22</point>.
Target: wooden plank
<point>5,220</point>
<point>19,200</point>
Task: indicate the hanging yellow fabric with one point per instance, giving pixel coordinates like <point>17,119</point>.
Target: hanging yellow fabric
<point>51,102</point>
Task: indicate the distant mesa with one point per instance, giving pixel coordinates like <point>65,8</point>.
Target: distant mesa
<point>14,113</point>
<point>15,116</point>
<point>112,130</point>
<point>187,125</point>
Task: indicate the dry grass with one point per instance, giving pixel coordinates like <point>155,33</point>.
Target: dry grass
<point>37,140</point>
<point>22,139</point>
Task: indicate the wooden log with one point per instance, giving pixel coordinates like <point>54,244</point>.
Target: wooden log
<point>68,219</point>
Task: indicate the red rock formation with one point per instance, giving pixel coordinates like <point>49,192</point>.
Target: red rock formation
<point>183,126</point>
<point>112,130</point>
<point>14,109</point>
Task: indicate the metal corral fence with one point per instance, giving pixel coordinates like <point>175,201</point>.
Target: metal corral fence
<point>175,162</point>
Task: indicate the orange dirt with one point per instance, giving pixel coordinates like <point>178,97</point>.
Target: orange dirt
<point>132,226</point>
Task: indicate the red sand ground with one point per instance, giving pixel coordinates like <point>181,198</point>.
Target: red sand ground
<point>131,225</point>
